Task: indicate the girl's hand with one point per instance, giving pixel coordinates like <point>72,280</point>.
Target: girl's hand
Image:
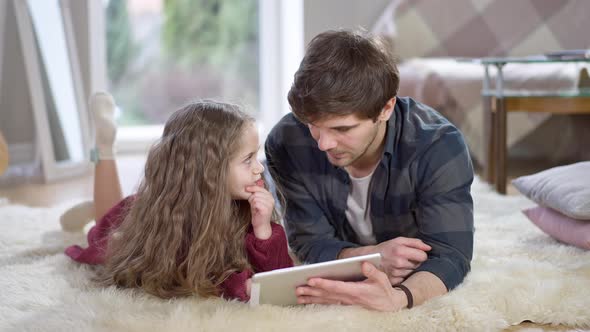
<point>261,205</point>
<point>249,286</point>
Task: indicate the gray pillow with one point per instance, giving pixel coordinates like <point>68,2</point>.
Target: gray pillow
<point>564,188</point>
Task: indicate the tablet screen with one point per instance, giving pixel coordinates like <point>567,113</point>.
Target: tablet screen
<point>278,286</point>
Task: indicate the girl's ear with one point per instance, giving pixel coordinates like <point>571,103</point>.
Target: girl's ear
<point>387,110</point>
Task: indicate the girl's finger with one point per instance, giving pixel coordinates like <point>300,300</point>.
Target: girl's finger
<point>256,189</point>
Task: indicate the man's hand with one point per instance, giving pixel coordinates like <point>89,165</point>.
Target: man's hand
<point>261,205</point>
<point>399,256</point>
<point>374,293</point>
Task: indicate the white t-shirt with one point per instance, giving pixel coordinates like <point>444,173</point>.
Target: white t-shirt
<point>358,209</point>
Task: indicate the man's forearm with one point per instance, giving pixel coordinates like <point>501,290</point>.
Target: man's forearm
<point>424,285</point>
<point>358,251</point>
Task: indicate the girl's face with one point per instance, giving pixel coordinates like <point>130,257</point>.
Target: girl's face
<point>244,167</point>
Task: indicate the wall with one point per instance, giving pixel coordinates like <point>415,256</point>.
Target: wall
<point>16,115</point>
<point>78,9</point>
<point>321,15</point>
<point>16,120</point>
<point>88,20</point>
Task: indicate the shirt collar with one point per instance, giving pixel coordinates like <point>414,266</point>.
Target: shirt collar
<point>389,147</point>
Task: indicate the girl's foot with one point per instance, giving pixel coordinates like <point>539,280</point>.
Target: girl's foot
<point>102,108</point>
<point>76,217</point>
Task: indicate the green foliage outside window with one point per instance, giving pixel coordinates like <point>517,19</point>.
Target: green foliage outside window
<point>208,31</point>
<point>196,49</point>
<point>120,46</point>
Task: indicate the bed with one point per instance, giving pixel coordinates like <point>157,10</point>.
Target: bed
<point>428,36</point>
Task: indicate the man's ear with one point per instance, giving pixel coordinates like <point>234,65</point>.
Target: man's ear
<point>387,110</point>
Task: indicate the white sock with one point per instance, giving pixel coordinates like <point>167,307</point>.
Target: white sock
<point>76,217</point>
<point>102,108</point>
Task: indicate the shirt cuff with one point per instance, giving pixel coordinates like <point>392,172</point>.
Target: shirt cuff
<point>446,270</point>
<point>234,287</point>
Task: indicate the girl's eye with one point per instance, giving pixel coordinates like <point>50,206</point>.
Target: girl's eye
<point>248,160</point>
<point>342,130</point>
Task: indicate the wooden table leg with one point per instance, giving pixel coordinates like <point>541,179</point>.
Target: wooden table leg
<point>3,154</point>
<point>489,127</point>
<point>500,148</point>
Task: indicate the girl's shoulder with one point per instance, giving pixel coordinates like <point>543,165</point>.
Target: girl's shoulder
<point>125,203</point>
<point>118,211</point>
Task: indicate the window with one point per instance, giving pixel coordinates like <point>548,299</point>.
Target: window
<point>162,54</point>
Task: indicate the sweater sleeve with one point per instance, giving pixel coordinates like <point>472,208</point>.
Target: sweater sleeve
<point>99,234</point>
<point>269,254</point>
<point>234,287</point>
<point>264,255</point>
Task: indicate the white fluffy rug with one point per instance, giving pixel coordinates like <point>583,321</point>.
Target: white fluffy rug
<point>518,274</point>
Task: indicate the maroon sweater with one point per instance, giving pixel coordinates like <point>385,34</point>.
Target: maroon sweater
<point>263,255</point>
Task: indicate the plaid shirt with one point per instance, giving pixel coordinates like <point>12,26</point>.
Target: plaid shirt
<point>420,189</point>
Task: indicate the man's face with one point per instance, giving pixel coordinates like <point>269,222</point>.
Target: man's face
<point>346,139</point>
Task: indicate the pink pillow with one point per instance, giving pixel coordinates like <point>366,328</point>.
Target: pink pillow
<point>561,227</point>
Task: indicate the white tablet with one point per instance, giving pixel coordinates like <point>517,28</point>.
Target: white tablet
<point>278,286</point>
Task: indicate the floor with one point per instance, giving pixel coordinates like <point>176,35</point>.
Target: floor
<point>41,195</point>
<point>130,170</point>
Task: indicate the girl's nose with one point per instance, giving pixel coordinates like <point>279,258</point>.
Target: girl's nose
<point>259,167</point>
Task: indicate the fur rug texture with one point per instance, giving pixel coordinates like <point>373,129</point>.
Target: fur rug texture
<point>518,273</point>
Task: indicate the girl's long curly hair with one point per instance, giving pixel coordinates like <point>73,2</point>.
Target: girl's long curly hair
<point>183,234</point>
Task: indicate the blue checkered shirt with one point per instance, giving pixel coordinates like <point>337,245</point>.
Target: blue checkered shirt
<point>420,189</point>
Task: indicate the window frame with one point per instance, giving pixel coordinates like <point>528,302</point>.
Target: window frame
<point>280,51</point>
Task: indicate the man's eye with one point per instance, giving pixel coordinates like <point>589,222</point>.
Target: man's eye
<point>343,130</point>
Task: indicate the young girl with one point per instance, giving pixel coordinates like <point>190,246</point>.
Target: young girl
<point>201,221</point>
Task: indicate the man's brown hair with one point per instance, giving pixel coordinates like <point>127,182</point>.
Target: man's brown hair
<point>343,72</point>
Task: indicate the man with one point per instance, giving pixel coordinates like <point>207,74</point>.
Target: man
<point>364,171</point>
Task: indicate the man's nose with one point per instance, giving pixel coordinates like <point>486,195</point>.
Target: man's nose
<point>326,142</point>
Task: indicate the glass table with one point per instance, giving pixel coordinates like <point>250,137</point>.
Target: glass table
<point>498,102</point>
